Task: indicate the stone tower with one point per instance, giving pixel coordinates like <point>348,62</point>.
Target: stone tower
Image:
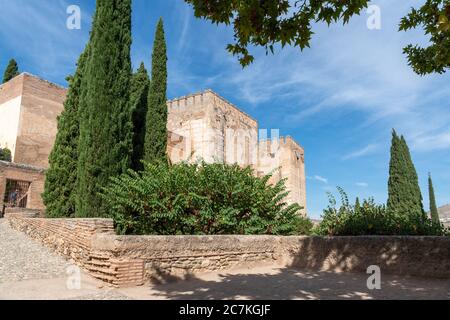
<point>206,126</point>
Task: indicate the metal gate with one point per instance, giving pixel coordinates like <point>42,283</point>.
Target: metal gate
<point>16,194</point>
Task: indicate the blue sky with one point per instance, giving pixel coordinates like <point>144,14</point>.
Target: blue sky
<point>340,99</point>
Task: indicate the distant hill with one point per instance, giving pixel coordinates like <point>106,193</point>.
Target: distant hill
<point>444,214</point>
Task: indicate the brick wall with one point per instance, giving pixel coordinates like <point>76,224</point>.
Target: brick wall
<point>69,237</point>
<point>35,176</point>
<point>130,260</point>
<point>166,257</point>
<point>42,102</point>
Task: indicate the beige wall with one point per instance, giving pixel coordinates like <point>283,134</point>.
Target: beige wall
<point>42,102</point>
<point>9,123</point>
<point>29,108</point>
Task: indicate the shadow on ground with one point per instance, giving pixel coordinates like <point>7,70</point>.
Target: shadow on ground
<point>286,284</point>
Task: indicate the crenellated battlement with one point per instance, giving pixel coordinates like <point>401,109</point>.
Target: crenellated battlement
<point>287,141</point>
<point>204,98</point>
<point>187,101</point>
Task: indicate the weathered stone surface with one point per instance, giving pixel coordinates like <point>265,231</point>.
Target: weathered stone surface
<point>30,106</point>
<point>130,260</point>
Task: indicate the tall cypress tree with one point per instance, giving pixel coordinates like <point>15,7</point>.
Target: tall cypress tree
<point>397,176</point>
<point>139,103</point>
<point>106,130</point>
<point>433,208</point>
<point>415,195</point>
<point>12,70</point>
<point>60,179</point>
<point>156,135</point>
<point>403,186</point>
<point>357,205</point>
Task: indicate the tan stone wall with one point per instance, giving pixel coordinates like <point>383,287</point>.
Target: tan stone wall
<point>210,125</point>
<point>399,255</point>
<point>42,102</point>
<point>11,89</point>
<point>33,175</point>
<point>31,106</point>
<point>130,260</point>
<point>285,159</point>
<point>164,257</point>
<point>10,107</point>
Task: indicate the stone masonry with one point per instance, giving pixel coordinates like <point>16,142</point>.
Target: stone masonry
<point>132,260</point>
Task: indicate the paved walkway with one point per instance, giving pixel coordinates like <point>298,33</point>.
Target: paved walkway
<point>30,271</point>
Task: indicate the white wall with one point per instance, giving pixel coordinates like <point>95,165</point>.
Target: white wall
<point>9,123</point>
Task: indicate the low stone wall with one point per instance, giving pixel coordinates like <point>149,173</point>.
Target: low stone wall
<point>130,260</point>
<point>402,255</point>
<point>71,238</point>
<point>168,257</point>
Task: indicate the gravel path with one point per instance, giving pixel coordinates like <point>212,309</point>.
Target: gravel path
<point>23,259</point>
<point>29,270</point>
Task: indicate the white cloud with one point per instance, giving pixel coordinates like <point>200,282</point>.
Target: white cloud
<point>362,184</point>
<point>347,68</point>
<point>360,153</point>
<point>321,179</point>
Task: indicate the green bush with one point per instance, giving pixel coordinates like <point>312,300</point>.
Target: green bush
<point>372,219</point>
<point>5,155</point>
<point>200,199</point>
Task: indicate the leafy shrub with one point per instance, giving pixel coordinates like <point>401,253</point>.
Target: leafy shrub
<point>5,155</point>
<point>200,199</point>
<point>372,219</point>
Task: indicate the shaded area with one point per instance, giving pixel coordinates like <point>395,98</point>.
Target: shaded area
<point>275,283</point>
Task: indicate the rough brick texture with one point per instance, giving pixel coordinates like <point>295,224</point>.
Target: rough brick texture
<point>131,260</point>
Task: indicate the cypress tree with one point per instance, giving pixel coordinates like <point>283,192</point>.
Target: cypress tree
<point>404,194</point>
<point>106,129</point>
<point>156,134</point>
<point>60,180</point>
<point>12,70</point>
<point>433,208</point>
<point>397,176</point>
<point>357,205</point>
<point>139,103</point>
<point>414,193</point>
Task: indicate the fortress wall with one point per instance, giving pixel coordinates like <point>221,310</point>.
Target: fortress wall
<point>284,158</point>
<point>211,127</point>
<point>42,102</point>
